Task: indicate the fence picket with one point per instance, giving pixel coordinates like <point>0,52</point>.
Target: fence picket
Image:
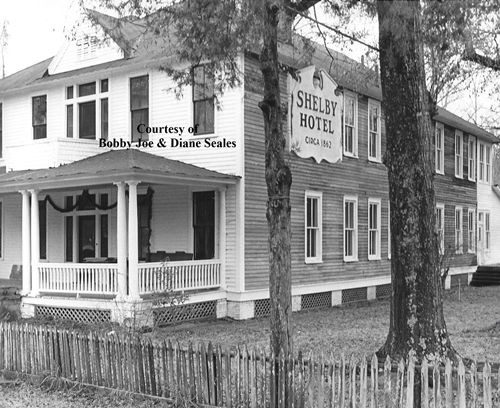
<point>448,384</point>
<point>461,385</point>
<point>424,379</point>
<point>487,397</point>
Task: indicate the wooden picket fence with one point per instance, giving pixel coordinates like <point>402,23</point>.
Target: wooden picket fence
<point>215,376</point>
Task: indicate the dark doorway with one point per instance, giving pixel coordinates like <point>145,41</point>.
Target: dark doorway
<point>204,224</point>
<point>86,237</point>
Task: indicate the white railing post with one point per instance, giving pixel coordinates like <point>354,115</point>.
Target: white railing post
<point>35,243</point>
<point>26,229</point>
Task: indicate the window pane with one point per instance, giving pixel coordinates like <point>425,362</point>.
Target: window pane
<point>139,92</point>
<point>69,121</point>
<point>104,118</point>
<point>87,120</point>
<point>139,117</point>
<point>204,224</point>
<point>69,92</point>
<point>104,85</point>
<point>204,116</point>
<point>86,89</point>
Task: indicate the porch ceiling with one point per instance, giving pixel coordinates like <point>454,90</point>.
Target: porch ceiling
<point>111,167</point>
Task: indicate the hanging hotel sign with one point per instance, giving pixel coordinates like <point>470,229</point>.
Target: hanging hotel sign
<point>315,116</point>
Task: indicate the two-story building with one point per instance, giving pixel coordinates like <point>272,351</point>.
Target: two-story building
<point>89,214</point>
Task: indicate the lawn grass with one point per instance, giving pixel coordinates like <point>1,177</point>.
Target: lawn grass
<point>472,316</point>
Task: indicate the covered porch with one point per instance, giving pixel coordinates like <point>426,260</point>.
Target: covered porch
<point>103,244</point>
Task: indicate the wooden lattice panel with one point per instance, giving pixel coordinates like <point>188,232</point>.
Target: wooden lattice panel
<point>262,307</point>
<point>354,295</point>
<point>183,313</point>
<point>315,300</point>
<point>383,291</point>
<point>77,315</point>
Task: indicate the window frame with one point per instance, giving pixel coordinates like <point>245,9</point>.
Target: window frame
<point>440,207</point>
<point>459,232</point>
<point>377,230</point>
<point>472,158</point>
<point>481,162</point>
<point>318,197</point>
<point>487,161</point>
<point>354,256</point>
<point>439,150</point>
<point>354,153</point>
<point>459,154</point>
<point>378,147</point>
<point>41,125</point>
<point>207,98</point>
<point>143,109</point>
<point>471,233</point>
<point>487,231</point>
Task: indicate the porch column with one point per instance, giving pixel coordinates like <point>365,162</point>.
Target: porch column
<point>35,243</point>
<point>121,241</point>
<point>26,228</point>
<point>222,236</point>
<point>133,242</point>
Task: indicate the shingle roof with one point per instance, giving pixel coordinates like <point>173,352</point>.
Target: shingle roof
<point>124,161</point>
<point>25,77</point>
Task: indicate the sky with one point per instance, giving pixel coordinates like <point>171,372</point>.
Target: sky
<point>36,29</point>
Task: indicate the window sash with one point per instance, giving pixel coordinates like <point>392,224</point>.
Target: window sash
<point>203,101</point>
<point>374,131</point>
<point>458,230</point>
<point>481,162</point>
<point>458,155</point>
<point>350,230</point>
<point>472,159</point>
<point>488,164</point>
<point>87,120</point>
<point>439,141</point>
<point>487,231</point>
<point>40,117</point>
<point>374,229</point>
<point>472,231</point>
<point>350,125</point>
<point>440,227</point>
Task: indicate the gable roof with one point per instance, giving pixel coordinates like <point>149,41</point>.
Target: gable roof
<point>111,167</point>
<point>25,77</point>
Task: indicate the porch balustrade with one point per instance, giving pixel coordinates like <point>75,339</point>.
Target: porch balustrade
<point>80,278</point>
<point>183,275</point>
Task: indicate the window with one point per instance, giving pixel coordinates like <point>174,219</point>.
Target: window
<point>458,230</point>
<point>350,121</point>
<point>42,214</point>
<point>439,143</point>
<point>440,227</point>
<point>144,225</point>
<point>487,170</point>
<point>204,224</point>
<point>472,158</point>
<point>487,231</point>
<point>350,229</point>
<point>471,236</point>
<point>203,100</point>
<point>313,227</point>
<point>483,231</point>
<point>373,229</point>
<point>139,105</point>
<point>374,130</point>
<point>481,163</point>
<point>389,249</point>
<point>1,134</point>
<point>459,154</point>
<point>40,117</point>
<point>90,109</point>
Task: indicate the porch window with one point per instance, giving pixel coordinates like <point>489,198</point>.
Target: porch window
<point>39,117</point>
<point>144,214</point>
<point>42,213</point>
<point>139,105</point>
<point>204,224</point>
<point>203,100</point>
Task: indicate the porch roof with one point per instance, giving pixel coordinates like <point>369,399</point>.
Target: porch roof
<point>111,167</point>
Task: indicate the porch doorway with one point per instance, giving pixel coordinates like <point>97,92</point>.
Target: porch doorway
<point>86,237</point>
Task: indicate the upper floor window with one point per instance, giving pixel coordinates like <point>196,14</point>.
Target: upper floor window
<point>86,48</point>
<point>484,163</point>
<point>374,149</point>
<point>373,228</point>
<point>90,106</point>
<point>40,117</point>
<point>487,170</point>
<point>313,226</point>
<point>439,144</point>
<point>1,132</point>
<point>139,106</point>
<point>459,154</point>
<point>350,229</point>
<point>472,158</point>
<point>350,121</point>
<point>203,100</point>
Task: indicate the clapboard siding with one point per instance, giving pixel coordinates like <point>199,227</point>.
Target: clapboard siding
<point>351,177</point>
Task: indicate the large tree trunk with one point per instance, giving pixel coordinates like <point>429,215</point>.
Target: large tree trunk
<point>279,180</point>
<point>416,320</point>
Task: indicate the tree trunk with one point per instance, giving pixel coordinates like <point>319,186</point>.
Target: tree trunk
<point>416,320</point>
<point>278,180</point>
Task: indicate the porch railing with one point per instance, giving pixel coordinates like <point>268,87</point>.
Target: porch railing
<point>182,275</point>
<point>79,278</point>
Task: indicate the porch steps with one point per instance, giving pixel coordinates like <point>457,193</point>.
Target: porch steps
<point>486,275</point>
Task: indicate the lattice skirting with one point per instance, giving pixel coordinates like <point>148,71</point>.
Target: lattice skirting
<point>314,300</point>
<point>77,315</point>
<point>262,307</point>
<point>183,313</point>
<point>383,291</point>
<point>354,295</point>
